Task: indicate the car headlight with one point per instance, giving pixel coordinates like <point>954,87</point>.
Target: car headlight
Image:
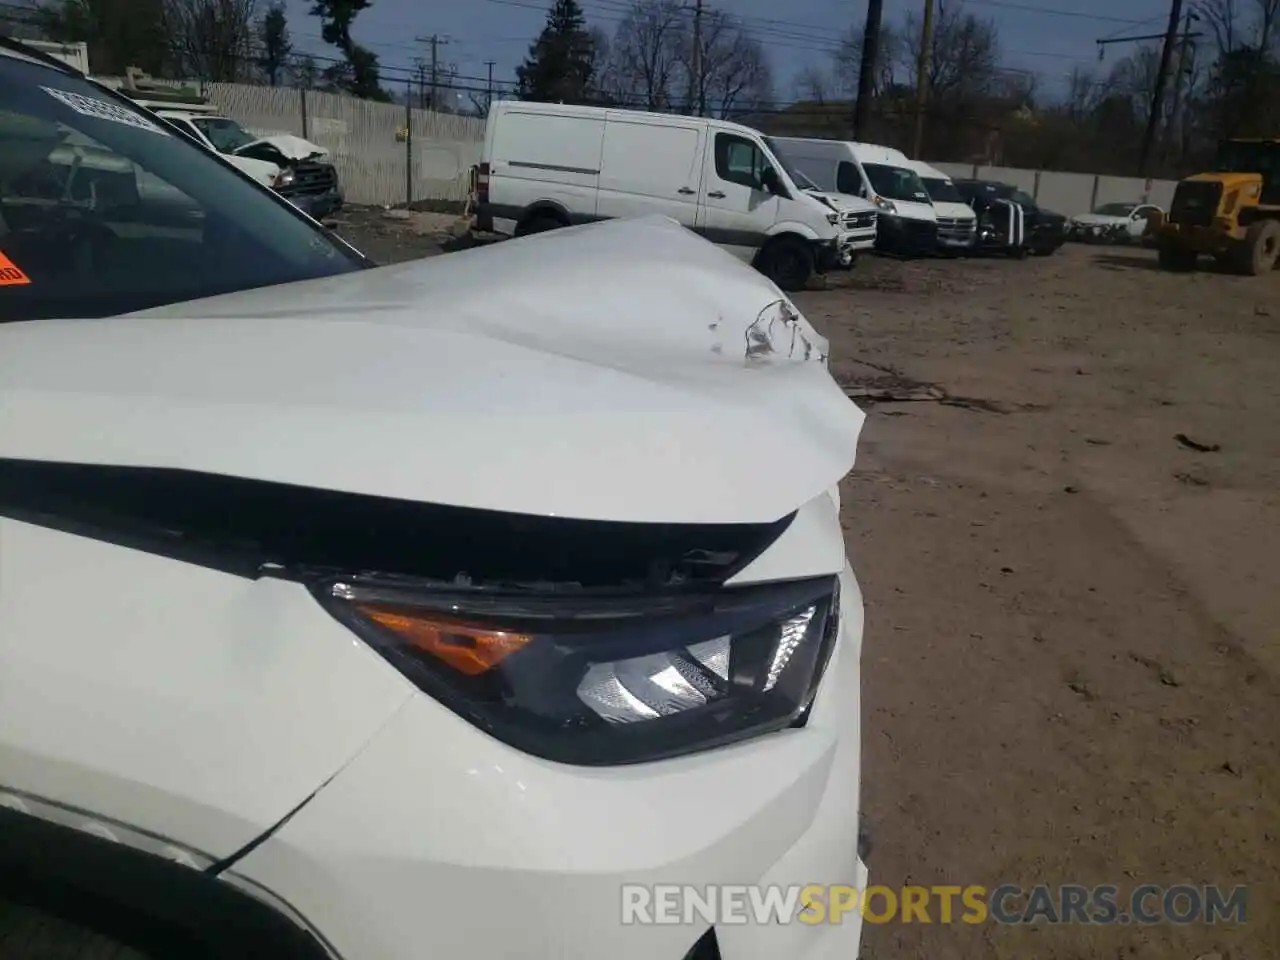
<point>833,218</point>
<point>284,178</point>
<point>885,205</point>
<point>600,680</point>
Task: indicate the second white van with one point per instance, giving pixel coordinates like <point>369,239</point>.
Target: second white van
<point>957,223</point>
<point>908,224</point>
<point>548,165</point>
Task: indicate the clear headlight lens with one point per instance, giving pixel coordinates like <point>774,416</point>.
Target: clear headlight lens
<point>833,218</point>
<point>885,205</point>
<point>601,680</point>
<point>284,178</point>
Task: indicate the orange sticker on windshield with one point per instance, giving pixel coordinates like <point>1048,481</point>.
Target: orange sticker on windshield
<point>10,275</point>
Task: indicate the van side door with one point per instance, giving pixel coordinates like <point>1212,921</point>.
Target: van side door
<point>648,167</point>
<point>736,210</point>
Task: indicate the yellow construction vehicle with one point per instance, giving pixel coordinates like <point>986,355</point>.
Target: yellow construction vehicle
<point>1231,214</point>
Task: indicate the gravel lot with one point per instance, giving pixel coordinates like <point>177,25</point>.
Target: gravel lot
<point>1072,662</point>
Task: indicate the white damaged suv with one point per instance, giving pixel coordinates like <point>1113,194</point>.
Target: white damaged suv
<point>384,613</point>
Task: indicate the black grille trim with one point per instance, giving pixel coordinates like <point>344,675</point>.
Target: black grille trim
<point>1195,203</point>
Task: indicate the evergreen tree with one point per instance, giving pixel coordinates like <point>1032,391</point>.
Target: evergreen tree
<point>273,38</point>
<point>561,64</point>
<point>359,75</point>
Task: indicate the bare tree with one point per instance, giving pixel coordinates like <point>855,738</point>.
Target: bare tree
<point>1082,94</point>
<point>1266,13</point>
<point>847,60</point>
<point>815,85</point>
<point>736,71</point>
<point>647,52</point>
<point>731,69</point>
<point>1221,17</point>
<point>212,39</point>
<point>964,53</point>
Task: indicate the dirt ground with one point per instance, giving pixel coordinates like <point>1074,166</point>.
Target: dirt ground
<point>1072,660</point>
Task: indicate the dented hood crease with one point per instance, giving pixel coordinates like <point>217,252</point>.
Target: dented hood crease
<point>599,372</point>
<point>293,148</point>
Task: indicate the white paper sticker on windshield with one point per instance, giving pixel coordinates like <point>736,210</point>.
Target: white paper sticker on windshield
<point>103,110</point>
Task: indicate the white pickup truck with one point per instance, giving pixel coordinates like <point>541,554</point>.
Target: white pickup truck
<point>298,169</point>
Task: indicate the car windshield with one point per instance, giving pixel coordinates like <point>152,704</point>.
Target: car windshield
<point>103,211</point>
<point>797,177</point>
<point>227,136</point>
<point>942,191</point>
<point>895,183</point>
<point>1022,198</point>
<point>1116,209</point>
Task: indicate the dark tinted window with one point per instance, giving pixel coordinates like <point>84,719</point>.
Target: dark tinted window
<point>848,180</point>
<point>103,210</point>
<point>942,191</point>
<point>30,934</point>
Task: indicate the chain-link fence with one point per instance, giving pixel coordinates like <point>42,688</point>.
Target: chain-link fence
<point>387,154</point>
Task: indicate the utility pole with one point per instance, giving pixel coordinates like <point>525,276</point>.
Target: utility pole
<point>420,67</point>
<point>1162,77</point>
<point>1184,64</point>
<point>867,69</point>
<point>698,91</point>
<point>488,96</point>
<point>436,42</point>
<point>922,71</point>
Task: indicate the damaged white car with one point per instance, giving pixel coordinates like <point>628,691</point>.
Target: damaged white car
<point>297,169</point>
<point>442,609</point>
<point>1113,223</point>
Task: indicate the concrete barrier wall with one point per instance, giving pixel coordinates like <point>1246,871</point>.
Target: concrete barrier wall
<point>377,166</point>
<point>377,163</point>
<point>1069,193</point>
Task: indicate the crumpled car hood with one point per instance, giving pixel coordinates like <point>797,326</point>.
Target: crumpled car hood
<point>294,148</point>
<point>626,370</point>
<point>843,202</point>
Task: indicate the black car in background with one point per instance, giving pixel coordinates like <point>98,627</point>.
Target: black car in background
<point>1038,231</point>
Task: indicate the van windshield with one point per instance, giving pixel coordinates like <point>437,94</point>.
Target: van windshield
<point>794,172</point>
<point>895,183</point>
<point>103,211</point>
<point>942,191</point>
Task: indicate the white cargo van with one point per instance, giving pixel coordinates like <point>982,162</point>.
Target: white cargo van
<point>907,224</point>
<point>957,223</point>
<point>549,165</point>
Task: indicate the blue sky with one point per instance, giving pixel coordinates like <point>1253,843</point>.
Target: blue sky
<point>1047,37</point>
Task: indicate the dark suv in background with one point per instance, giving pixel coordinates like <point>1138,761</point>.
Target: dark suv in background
<point>1043,231</point>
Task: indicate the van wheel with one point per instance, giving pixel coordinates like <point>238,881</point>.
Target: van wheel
<point>539,224</point>
<point>788,262</point>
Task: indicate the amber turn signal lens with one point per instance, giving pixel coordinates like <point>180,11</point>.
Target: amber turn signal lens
<point>469,649</point>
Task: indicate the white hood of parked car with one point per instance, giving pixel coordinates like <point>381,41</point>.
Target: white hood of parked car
<point>1100,220</point>
<point>294,148</point>
<point>598,372</point>
<point>953,209</point>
